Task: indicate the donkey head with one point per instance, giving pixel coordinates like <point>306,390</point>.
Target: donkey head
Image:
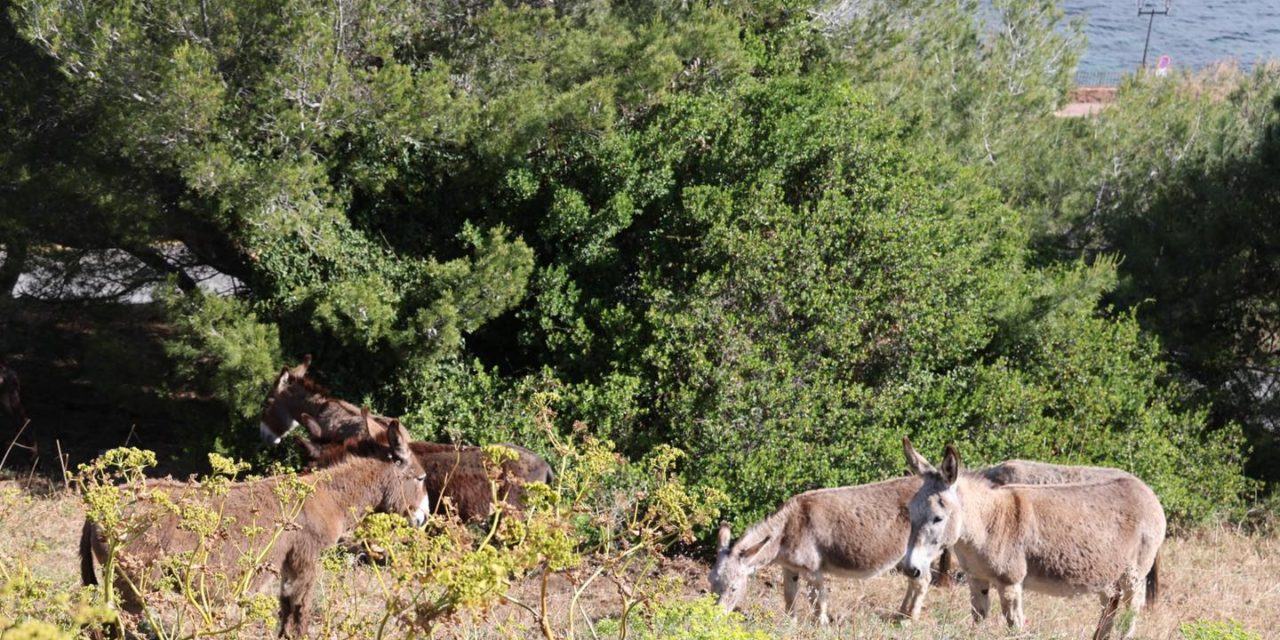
<point>935,512</point>
<point>407,492</point>
<point>277,415</point>
<point>734,566</point>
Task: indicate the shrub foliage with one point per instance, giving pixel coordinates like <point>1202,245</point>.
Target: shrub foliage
<point>767,236</point>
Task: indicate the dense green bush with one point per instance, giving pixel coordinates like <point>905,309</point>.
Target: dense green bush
<point>849,292</point>
<point>717,226</point>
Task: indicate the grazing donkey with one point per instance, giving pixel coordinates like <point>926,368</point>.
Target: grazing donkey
<point>1094,537</point>
<point>856,532</point>
<point>456,477</point>
<point>1029,472</point>
<point>380,478</point>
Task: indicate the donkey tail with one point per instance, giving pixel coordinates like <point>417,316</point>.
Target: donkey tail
<point>86,554</point>
<point>1153,581</point>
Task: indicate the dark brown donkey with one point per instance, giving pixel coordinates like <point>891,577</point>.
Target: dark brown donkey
<point>11,406</point>
<point>383,478</point>
<point>294,394</point>
<point>456,477</point>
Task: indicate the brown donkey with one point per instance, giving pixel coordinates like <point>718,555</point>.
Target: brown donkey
<point>294,394</point>
<point>456,478</point>
<point>1094,537</point>
<point>455,473</point>
<point>380,478</point>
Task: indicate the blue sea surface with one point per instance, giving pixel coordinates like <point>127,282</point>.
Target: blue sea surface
<point>1196,33</point>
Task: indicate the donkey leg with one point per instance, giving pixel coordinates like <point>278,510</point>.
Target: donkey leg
<point>1135,597</point>
<point>904,609</point>
<point>790,586</point>
<point>297,577</point>
<point>818,597</point>
<point>908,600</point>
<point>913,601</point>
<point>979,599</point>
<point>1011,604</point>
<point>1110,605</point>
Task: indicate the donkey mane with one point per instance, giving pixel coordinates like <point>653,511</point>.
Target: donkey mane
<point>765,532</point>
<point>311,385</point>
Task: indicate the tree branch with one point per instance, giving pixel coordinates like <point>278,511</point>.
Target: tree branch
<point>155,259</point>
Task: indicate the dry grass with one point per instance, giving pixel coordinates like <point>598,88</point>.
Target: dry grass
<point>1216,574</point>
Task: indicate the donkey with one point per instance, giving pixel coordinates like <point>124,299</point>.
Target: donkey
<point>875,536</point>
<point>1095,537</point>
<point>381,478</point>
<point>294,394</point>
<point>455,472</point>
<point>456,477</point>
<point>1029,472</point>
<point>856,532</point>
<point>11,406</point>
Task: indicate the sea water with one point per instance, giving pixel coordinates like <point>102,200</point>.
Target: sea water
<point>1196,33</point>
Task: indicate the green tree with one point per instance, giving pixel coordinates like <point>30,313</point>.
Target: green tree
<point>1178,179</point>
<point>714,225</point>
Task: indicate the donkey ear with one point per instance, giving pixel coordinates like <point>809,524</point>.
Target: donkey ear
<point>365,432</point>
<point>915,461</point>
<point>951,464</point>
<point>309,450</point>
<point>313,426</point>
<point>300,371</point>
<point>749,552</point>
<point>725,536</point>
<point>398,439</point>
<point>282,382</point>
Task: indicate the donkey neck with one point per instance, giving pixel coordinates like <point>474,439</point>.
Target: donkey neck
<point>767,535</point>
<point>355,486</point>
<point>309,401</point>
<point>986,511</point>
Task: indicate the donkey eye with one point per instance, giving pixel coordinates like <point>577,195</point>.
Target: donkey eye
<point>937,519</point>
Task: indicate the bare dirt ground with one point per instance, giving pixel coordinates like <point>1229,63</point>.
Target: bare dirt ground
<point>1087,101</point>
<point>1216,574</point>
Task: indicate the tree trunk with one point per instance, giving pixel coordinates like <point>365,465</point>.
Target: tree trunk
<point>15,261</point>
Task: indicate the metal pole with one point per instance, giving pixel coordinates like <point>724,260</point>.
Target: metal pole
<point>1147,45</point>
<point>1150,12</point>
